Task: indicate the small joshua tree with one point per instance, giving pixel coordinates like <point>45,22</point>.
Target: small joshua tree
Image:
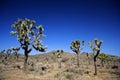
<point>103,58</point>
<point>2,55</point>
<point>95,49</point>
<point>16,52</point>
<point>3,51</point>
<point>28,34</point>
<point>58,54</point>
<point>9,52</point>
<point>75,46</point>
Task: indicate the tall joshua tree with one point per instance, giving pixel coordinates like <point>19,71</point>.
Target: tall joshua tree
<point>95,46</point>
<point>28,35</point>
<point>75,46</point>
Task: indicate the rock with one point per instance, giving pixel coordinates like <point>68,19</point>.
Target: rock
<point>114,67</point>
<point>43,68</point>
<point>87,71</point>
<point>18,65</point>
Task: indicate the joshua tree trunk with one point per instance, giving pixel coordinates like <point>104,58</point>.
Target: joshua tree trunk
<point>78,64</point>
<point>17,57</point>
<point>26,55</point>
<point>95,68</point>
<point>59,62</point>
<point>95,62</point>
<point>25,59</point>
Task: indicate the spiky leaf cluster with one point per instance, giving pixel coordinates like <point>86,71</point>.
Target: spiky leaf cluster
<point>95,44</point>
<point>9,51</point>
<point>3,51</point>
<point>15,49</point>
<point>58,53</point>
<point>75,46</point>
<point>29,34</point>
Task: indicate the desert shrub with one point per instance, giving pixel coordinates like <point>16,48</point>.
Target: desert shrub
<point>73,60</point>
<point>58,75</point>
<point>31,65</point>
<point>40,71</point>
<point>53,58</point>
<point>16,66</point>
<point>103,58</point>
<point>64,59</point>
<point>64,75</point>
<point>69,76</point>
<point>46,59</point>
<point>115,67</point>
<point>73,70</point>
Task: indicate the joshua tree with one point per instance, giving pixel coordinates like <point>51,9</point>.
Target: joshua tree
<point>75,46</point>
<point>2,55</point>
<point>3,51</point>
<point>9,52</point>
<point>95,49</point>
<point>16,52</point>
<point>102,57</point>
<point>58,56</point>
<point>28,34</point>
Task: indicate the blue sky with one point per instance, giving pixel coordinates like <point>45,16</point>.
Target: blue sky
<point>65,21</point>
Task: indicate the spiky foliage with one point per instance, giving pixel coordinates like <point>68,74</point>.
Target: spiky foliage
<point>2,54</point>
<point>9,52</point>
<point>58,55</point>
<point>28,34</point>
<point>75,47</point>
<point>95,46</point>
<point>3,51</point>
<point>15,52</point>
